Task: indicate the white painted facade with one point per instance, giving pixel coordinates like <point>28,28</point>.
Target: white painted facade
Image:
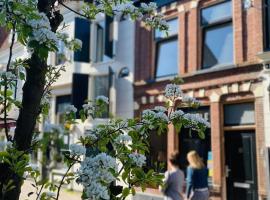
<point>121,94</point>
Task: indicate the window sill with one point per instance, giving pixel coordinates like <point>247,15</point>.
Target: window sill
<point>264,56</point>
<point>165,78</point>
<point>215,68</point>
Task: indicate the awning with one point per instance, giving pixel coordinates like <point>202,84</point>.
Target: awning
<point>10,123</point>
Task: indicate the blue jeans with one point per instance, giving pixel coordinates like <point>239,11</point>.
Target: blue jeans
<point>200,195</point>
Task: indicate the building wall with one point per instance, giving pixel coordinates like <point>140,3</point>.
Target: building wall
<point>239,82</point>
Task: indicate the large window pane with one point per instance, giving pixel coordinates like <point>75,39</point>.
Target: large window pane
<point>101,88</point>
<point>218,45</point>
<point>216,13</point>
<point>173,29</point>
<point>167,61</point>
<point>266,24</point>
<point>239,114</point>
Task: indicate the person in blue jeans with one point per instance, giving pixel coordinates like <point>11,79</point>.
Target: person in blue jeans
<point>197,178</point>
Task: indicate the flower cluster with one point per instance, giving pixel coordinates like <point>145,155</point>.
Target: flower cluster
<point>123,139</point>
<point>95,174</point>
<point>51,128</point>
<point>137,159</point>
<point>148,116</point>
<point>173,91</point>
<point>77,150</point>
<point>103,99</point>
<point>7,75</point>
<point>70,108</point>
<point>160,109</point>
<point>195,120</point>
<point>176,114</point>
<point>191,101</point>
<point>41,30</point>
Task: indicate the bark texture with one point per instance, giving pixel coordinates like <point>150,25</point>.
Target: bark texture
<point>32,94</point>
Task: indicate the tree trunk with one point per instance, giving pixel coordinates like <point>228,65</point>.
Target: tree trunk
<point>32,94</point>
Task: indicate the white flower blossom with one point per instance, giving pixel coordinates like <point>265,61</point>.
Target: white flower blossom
<point>160,109</point>
<point>103,99</point>
<point>41,30</point>
<point>172,91</point>
<point>95,175</point>
<point>78,43</point>
<point>137,159</point>
<point>149,7</point>
<point>70,108</point>
<point>123,139</point>
<point>196,119</point>
<point>50,128</point>
<point>161,116</point>
<point>176,114</point>
<point>8,75</point>
<point>77,150</point>
<point>190,100</point>
<point>91,134</point>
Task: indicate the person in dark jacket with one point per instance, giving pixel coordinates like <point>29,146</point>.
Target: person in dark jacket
<point>197,178</point>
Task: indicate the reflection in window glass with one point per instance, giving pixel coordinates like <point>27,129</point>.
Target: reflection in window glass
<point>266,24</point>
<point>218,46</point>
<point>101,88</point>
<point>167,61</point>
<point>173,29</point>
<point>239,114</point>
<point>216,13</point>
<point>100,41</point>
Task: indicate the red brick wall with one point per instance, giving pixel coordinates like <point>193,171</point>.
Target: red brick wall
<point>248,38</point>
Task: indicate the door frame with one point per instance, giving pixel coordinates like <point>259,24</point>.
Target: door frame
<point>229,130</point>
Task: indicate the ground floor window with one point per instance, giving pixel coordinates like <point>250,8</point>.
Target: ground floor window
<point>189,140</point>
<point>157,156</point>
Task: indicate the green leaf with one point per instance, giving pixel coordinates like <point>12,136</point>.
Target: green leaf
<point>125,192</point>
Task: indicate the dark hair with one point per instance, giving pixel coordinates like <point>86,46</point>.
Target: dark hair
<point>175,159</point>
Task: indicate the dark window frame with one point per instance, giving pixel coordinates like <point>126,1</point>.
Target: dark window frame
<point>266,25</point>
<point>158,42</point>
<point>205,27</point>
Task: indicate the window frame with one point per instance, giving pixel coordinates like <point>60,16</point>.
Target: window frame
<point>266,40</point>
<point>158,42</point>
<point>205,27</point>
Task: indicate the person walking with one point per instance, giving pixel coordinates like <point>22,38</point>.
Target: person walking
<point>197,178</point>
<point>174,180</point>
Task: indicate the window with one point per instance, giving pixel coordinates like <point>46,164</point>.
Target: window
<point>156,158</point>
<point>82,32</point>
<point>266,24</point>
<point>167,51</point>
<point>79,90</point>
<point>239,114</point>
<point>60,54</point>
<point>61,103</point>
<point>102,88</point>
<point>217,35</point>
<point>104,41</point>
<point>189,139</point>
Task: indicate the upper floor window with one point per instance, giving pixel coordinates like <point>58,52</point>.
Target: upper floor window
<point>61,104</point>
<point>216,22</point>
<point>60,57</point>
<point>267,24</point>
<point>82,32</point>
<point>167,50</point>
<point>104,40</point>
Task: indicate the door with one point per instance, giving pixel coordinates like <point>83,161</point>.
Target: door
<point>240,153</point>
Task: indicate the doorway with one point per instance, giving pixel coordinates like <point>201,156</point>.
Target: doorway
<point>241,169</point>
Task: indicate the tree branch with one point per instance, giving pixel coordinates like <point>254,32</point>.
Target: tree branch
<point>74,11</point>
<point>6,86</point>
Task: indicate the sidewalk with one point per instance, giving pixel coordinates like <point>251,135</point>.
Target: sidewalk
<point>64,194</point>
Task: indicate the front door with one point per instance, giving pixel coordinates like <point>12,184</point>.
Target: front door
<point>240,153</point>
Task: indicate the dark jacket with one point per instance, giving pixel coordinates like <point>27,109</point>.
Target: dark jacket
<point>196,179</point>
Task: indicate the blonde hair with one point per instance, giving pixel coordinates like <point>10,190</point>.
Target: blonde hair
<point>195,161</point>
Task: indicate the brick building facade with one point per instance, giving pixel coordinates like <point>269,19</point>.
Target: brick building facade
<point>216,46</point>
